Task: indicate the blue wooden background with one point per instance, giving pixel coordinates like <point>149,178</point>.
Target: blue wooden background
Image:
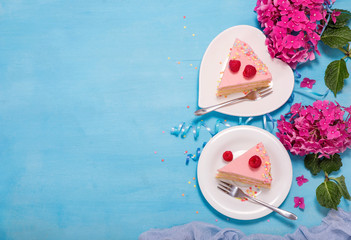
<point>89,91</point>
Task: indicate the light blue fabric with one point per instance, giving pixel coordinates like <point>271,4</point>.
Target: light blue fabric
<point>336,225</point>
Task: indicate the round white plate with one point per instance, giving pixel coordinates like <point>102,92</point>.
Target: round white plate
<point>214,61</point>
<point>238,139</point>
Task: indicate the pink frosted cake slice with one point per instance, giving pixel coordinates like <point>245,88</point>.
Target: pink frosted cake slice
<point>235,80</point>
<point>242,169</point>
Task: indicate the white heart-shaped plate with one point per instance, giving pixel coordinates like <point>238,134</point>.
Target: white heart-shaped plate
<point>214,61</point>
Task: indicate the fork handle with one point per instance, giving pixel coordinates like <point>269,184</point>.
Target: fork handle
<point>282,212</point>
<point>203,111</point>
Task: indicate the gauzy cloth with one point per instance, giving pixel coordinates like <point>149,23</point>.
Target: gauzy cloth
<point>336,225</point>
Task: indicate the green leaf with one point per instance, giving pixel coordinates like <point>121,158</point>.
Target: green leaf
<point>312,163</point>
<point>328,194</point>
<point>341,20</point>
<point>342,187</point>
<point>335,74</point>
<point>336,37</point>
<point>331,164</point>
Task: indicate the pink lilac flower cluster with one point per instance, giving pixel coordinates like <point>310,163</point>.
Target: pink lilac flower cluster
<point>293,27</point>
<point>323,129</point>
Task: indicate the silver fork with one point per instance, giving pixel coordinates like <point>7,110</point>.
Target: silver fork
<point>251,96</point>
<point>235,191</point>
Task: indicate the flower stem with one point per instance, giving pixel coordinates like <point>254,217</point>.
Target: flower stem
<point>326,176</point>
<point>343,50</point>
<point>346,52</point>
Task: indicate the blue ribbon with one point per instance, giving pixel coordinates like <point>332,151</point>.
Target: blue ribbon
<point>195,157</point>
<point>183,129</point>
<point>297,76</point>
<point>271,119</point>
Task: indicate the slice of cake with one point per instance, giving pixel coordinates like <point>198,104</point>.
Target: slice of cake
<point>253,167</point>
<point>244,71</point>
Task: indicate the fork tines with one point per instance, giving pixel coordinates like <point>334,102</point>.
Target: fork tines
<point>224,186</point>
<point>265,91</point>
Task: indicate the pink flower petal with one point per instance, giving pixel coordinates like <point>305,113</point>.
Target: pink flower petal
<point>301,180</point>
<point>306,82</point>
<point>299,202</point>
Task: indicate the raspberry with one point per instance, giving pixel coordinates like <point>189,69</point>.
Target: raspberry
<point>249,71</point>
<point>255,161</point>
<point>228,156</point>
<point>234,65</point>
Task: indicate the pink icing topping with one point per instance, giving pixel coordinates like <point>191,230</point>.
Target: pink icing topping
<point>240,165</point>
<point>243,52</point>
